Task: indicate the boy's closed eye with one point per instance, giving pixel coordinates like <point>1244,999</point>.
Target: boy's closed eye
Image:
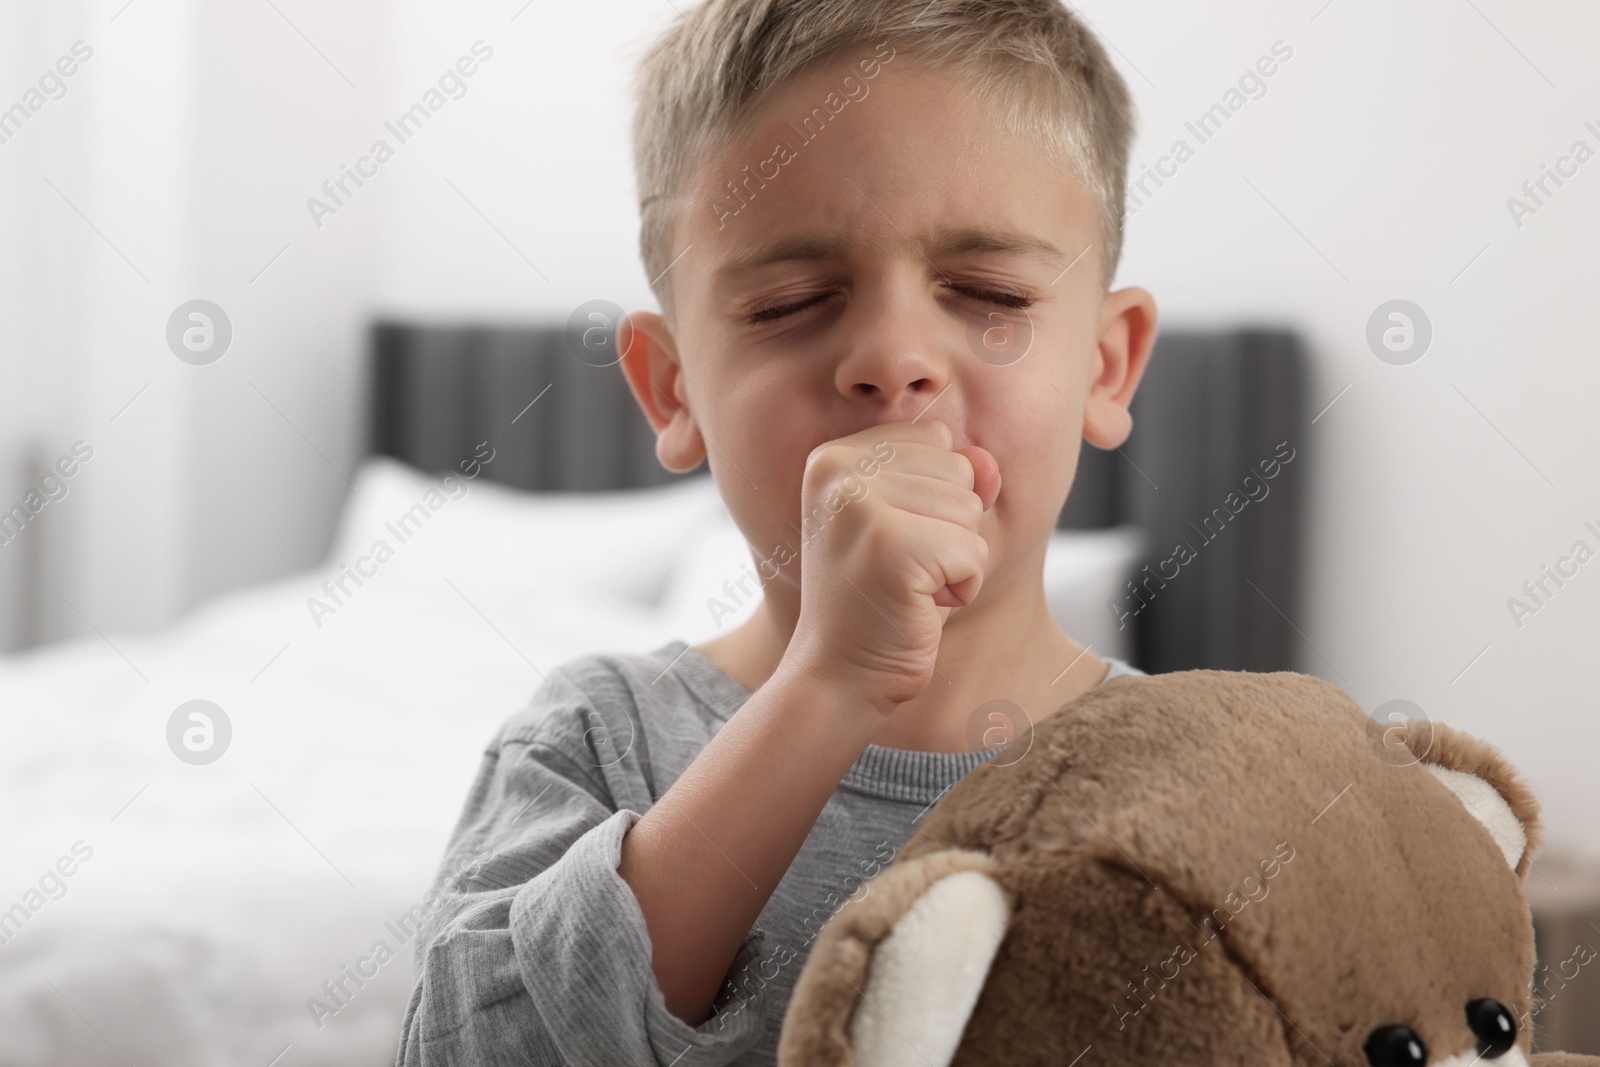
<point>1002,298</point>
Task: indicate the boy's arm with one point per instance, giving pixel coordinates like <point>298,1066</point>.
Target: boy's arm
<point>704,860</point>
<point>534,950</point>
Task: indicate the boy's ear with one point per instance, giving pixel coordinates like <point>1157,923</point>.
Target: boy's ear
<point>650,363</point>
<point>1127,333</point>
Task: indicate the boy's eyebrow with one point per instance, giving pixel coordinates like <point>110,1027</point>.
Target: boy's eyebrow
<point>951,242</point>
<point>787,249</point>
<point>967,241</point>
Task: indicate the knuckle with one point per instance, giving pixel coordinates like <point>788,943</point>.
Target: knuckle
<point>824,463</point>
<point>819,455</point>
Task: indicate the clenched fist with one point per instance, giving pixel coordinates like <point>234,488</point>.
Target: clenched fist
<point>890,545</point>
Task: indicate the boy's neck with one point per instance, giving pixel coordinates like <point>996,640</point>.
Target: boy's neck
<point>1006,648</point>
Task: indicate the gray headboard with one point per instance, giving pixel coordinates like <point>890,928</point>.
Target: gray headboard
<point>1213,407</point>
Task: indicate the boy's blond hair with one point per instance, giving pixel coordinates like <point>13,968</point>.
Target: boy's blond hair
<point>718,63</point>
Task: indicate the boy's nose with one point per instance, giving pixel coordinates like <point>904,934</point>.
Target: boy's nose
<point>900,376</point>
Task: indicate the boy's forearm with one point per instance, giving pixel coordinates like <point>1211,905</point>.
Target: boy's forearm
<point>703,861</point>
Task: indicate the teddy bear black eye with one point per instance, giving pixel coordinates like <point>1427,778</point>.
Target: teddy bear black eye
<point>1396,1046</point>
<point>1493,1025</point>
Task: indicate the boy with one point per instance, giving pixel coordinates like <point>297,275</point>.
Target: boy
<point>882,234</point>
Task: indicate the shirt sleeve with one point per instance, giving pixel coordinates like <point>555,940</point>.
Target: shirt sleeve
<point>533,949</point>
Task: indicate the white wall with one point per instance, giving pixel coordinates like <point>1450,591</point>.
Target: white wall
<point>1376,166</point>
<point>539,146</point>
<point>1391,141</point>
<point>279,425</point>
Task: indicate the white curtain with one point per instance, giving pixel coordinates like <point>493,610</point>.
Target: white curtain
<point>94,170</point>
<point>172,164</point>
<point>40,133</point>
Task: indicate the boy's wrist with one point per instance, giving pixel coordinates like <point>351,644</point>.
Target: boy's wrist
<point>829,701</point>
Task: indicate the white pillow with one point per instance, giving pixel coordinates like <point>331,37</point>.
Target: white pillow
<point>704,598</point>
<point>1084,573</point>
<point>621,543</point>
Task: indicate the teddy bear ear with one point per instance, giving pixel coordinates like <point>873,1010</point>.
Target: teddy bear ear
<point>1487,785</point>
<point>895,974</point>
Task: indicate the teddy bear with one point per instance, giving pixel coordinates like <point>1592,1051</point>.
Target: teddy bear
<point>1202,867</point>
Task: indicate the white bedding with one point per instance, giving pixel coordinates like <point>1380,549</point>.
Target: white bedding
<point>218,902</point>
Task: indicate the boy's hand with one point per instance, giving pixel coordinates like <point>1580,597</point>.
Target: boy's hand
<point>879,575</point>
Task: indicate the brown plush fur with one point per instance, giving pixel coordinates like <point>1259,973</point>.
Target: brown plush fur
<point>1205,868</point>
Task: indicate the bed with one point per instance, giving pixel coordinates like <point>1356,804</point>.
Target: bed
<point>157,910</point>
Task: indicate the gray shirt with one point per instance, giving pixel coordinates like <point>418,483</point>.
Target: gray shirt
<point>533,949</point>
